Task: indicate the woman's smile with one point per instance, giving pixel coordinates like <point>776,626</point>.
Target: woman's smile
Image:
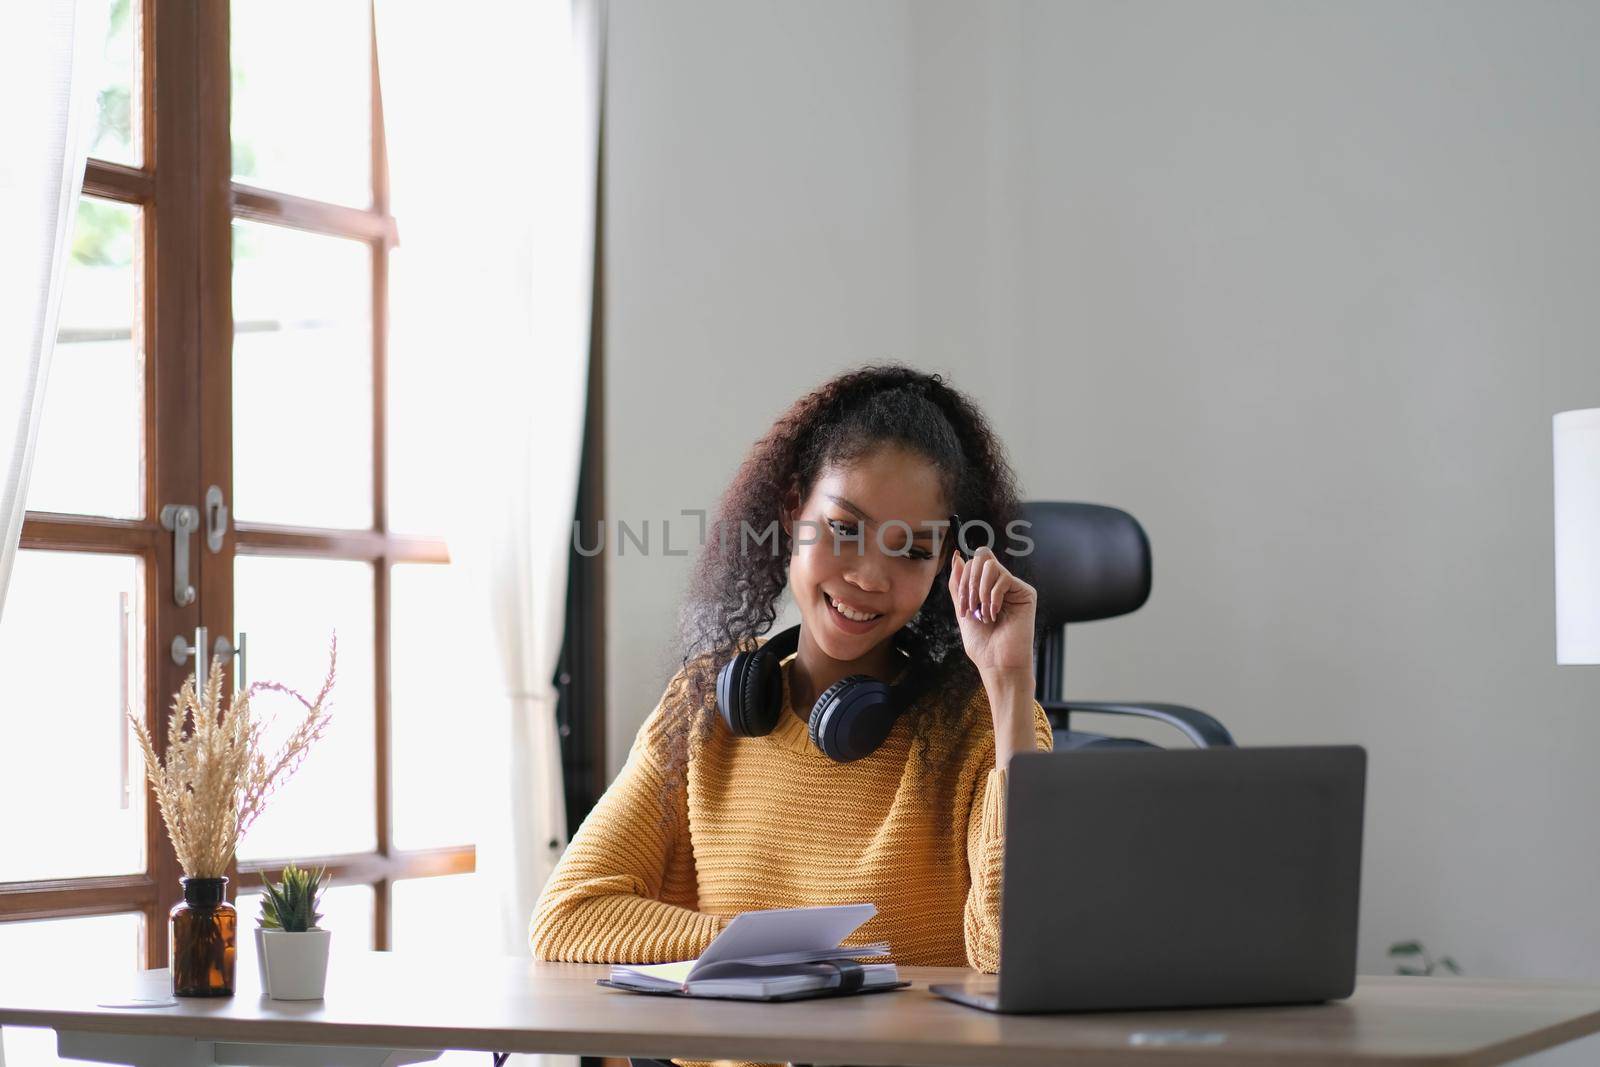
<point>856,622</point>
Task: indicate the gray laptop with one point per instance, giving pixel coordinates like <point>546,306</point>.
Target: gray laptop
<point>1147,878</point>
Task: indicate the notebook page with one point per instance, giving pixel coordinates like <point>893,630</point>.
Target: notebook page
<point>674,974</point>
<point>764,933</point>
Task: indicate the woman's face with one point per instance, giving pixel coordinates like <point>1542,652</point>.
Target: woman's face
<point>847,550</point>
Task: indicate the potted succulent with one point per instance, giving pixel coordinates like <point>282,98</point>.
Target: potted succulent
<point>291,949</point>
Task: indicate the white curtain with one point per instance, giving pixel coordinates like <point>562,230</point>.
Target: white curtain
<point>492,119</point>
<point>49,72</point>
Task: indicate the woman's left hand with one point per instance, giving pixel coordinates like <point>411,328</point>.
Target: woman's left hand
<point>995,610</point>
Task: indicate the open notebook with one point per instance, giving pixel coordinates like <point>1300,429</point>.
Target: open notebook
<point>779,954</point>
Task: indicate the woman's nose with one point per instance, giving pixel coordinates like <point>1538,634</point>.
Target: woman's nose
<point>867,573</point>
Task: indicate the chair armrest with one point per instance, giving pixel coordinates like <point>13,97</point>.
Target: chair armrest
<point>1202,729</point>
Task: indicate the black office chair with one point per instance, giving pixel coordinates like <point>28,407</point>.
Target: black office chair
<point>1092,562</point>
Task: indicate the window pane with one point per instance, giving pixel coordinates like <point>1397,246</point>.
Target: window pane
<point>60,942</point>
<point>116,134</point>
<point>437,727</point>
<point>289,607</point>
<point>443,914</point>
<point>346,910</point>
<point>90,455</point>
<point>70,639</point>
<point>115,938</point>
<point>302,97</point>
<point>302,378</point>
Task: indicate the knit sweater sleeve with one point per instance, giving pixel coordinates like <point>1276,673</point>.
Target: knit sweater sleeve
<point>604,901</point>
<point>986,829</point>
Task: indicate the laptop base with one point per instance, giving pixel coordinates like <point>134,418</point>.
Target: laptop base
<point>982,995</point>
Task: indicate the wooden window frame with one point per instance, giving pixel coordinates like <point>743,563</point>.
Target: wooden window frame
<point>190,200</point>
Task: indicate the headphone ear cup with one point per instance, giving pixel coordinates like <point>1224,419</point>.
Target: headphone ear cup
<point>749,690</point>
<point>852,718</point>
<point>725,691</point>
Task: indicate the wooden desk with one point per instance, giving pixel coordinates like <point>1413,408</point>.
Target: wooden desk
<point>380,1002</point>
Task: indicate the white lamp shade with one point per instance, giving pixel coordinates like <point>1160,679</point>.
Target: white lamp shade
<point>1577,494</point>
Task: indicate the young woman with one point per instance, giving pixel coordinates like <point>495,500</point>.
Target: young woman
<point>772,800</point>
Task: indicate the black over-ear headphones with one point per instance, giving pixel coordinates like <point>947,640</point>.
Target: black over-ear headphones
<point>850,719</point>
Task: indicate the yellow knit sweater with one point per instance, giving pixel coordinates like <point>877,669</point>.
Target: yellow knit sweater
<point>770,822</point>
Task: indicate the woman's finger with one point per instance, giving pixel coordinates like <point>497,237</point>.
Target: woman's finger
<point>993,575</point>
<point>997,596</point>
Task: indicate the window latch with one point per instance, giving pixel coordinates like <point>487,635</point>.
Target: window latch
<point>183,520</point>
<point>216,519</point>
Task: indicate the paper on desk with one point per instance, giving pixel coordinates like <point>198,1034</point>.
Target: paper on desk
<point>751,935</point>
<point>774,936</point>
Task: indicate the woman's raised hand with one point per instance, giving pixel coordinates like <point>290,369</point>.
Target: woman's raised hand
<point>995,610</point>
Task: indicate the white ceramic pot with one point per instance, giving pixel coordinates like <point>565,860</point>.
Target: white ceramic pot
<point>261,961</point>
<point>294,966</point>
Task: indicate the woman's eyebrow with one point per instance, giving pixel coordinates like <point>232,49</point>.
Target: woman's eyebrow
<point>868,518</point>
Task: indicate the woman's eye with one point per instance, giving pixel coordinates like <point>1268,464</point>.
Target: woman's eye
<point>844,529</point>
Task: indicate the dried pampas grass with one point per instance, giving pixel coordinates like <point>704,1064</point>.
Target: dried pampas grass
<point>217,778</point>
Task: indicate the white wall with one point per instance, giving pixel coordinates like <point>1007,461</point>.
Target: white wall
<point>758,241</point>
<point>1299,285</point>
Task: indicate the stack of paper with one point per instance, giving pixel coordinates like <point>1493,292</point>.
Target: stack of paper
<point>762,954</point>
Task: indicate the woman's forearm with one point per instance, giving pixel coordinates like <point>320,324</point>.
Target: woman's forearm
<point>1011,701</point>
<point>585,925</point>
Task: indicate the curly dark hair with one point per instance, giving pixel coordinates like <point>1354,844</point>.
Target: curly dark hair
<point>732,593</point>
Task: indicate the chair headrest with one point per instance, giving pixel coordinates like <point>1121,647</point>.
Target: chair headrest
<point>1088,561</point>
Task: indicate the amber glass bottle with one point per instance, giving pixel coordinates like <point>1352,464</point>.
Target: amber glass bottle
<point>204,940</point>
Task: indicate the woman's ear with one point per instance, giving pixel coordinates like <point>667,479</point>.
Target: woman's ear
<point>788,511</point>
